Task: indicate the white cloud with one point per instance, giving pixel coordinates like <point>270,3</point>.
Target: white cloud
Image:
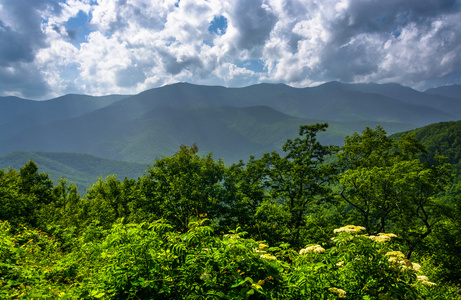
<point>139,44</point>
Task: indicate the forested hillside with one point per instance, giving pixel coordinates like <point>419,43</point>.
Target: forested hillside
<point>231,123</point>
<point>441,138</point>
<point>368,220</point>
<point>81,169</point>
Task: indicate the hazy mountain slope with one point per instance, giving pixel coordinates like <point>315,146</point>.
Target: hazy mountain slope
<point>68,106</point>
<point>113,134</point>
<point>233,123</point>
<point>453,91</point>
<point>18,114</point>
<point>81,169</point>
<point>84,169</point>
<point>230,133</point>
<point>344,104</point>
<point>329,102</point>
<point>441,103</point>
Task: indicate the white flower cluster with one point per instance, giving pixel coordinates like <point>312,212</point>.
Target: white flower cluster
<point>261,248</point>
<point>231,236</point>
<point>395,256</point>
<point>314,248</point>
<point>268,256</point>
<point>424,280</point>
<point>349,229</point>
<point>382,237</point>
<point>399,258</point>
<point>341,293</point>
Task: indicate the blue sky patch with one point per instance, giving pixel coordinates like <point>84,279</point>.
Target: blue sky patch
<point>255,65</point>
<point>218,25</point>
<point>77,28</point>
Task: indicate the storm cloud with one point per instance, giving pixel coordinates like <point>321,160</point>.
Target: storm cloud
<point>127,46</point>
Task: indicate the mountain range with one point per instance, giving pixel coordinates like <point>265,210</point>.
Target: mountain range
<point>81,169</point>
<point>232,123</point>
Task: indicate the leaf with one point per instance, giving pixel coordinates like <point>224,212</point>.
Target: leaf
<point>247,279</point>
<point>98,295</point>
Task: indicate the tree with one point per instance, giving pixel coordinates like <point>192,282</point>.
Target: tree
<point>390,187</point>
<point>104,202</point>
<point>25,195</point>
<point>14,206</point>
<point>300,180</point>
<point>444,245</point>
<point>65,209</point>
<point>245,192</point>
<point>34,183</point>
<point>184,187</point>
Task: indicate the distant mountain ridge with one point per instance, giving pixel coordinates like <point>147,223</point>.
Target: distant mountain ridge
<point>331,101</point>
<point>437,99</point>
<point>233,123</point>
<point>81,169</point>
<point>18,114</point>
<point>453,91</point>
<point>63,107</point>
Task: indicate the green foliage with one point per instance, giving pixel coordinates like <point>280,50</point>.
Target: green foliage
<point>184,187</point>
<point>15,207</point>
<point>83,170</point>
<point>300,180</point>
<point>244,195</point>
<point>356,266</point>
<point>24,195</point>
<point>152,261</point>
<point>64,211</point>
<point>32,265</point>
<point>105,203</point>
<point>282,190</point>
<point>142,260</point>
<point>192,228</point>
<point>444,246</point>
<point>440,139</point>
<point>390,187</point>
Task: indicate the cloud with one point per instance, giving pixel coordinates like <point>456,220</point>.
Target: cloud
<point>254,23</point>
<point>21,38</point>
<point>126,46</point>
<point>129,77</point>
<point>14,47</point>
<point>22,80</point>
<point>404,41</point>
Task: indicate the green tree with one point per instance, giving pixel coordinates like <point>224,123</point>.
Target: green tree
<point>184,187</point>
<point>14,206</point>
<point>245,193</point>
<point>34,183</point>
<point>444,246</point>
<point>25,195</point>
<point>390,187</point>
<point>300,180</point>
<point>110,200</point>
<point>67,205</point>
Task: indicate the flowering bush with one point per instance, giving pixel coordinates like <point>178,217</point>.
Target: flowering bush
<point>153,261</point>
<point>356,266</point>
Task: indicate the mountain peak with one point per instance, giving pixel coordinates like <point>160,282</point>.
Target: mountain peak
<point>233,123</point>
<point>452,91</point>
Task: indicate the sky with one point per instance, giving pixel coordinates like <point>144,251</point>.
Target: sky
<point>49,48</point>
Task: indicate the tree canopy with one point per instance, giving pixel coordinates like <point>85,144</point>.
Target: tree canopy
<point>369,220</point>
